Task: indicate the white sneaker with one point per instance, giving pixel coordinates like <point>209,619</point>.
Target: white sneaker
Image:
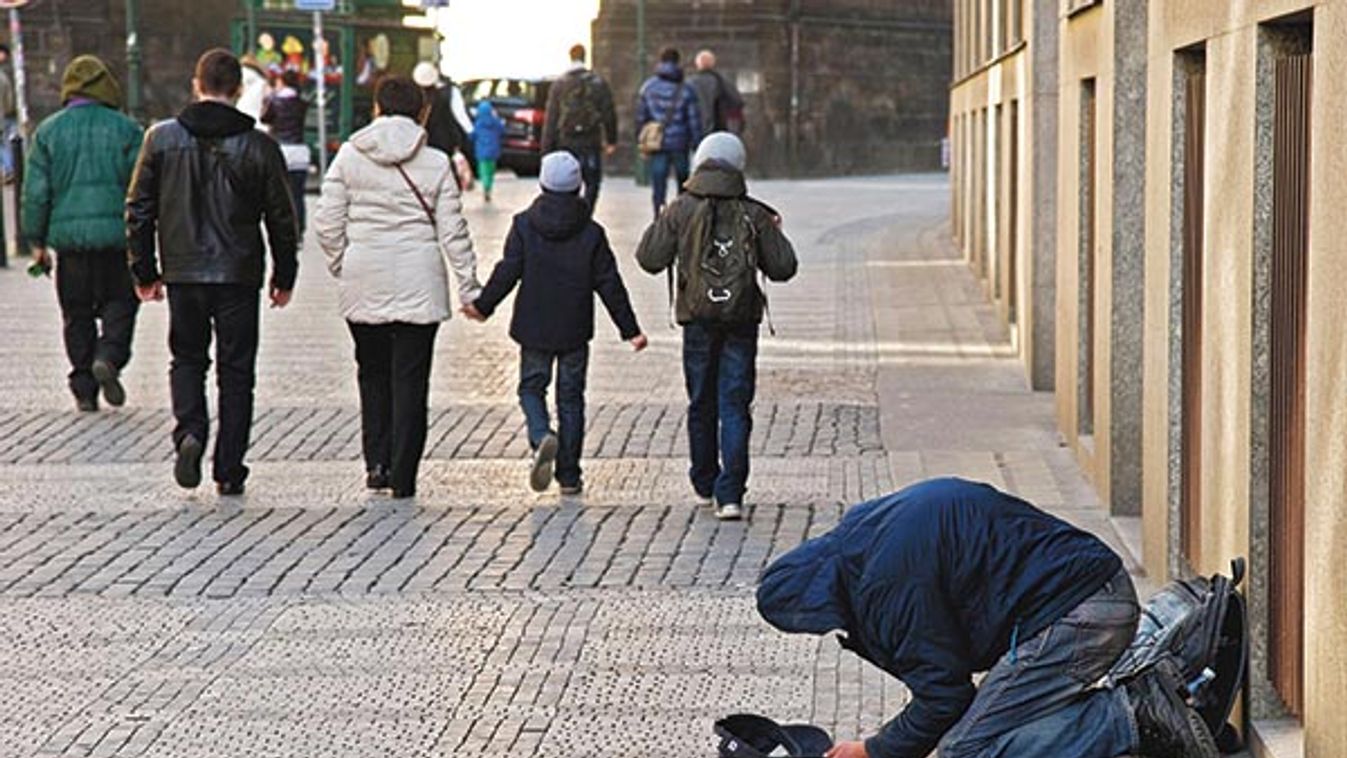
<point>729,512</point>
<point>704,502</point>
<point>544,459</point>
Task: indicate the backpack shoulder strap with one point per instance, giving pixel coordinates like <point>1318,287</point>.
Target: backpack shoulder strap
<point>420,198</point>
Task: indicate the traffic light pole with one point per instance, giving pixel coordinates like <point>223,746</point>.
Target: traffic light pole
<point>642,167</point>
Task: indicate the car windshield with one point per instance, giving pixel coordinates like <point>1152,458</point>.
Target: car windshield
<point>513,91</point>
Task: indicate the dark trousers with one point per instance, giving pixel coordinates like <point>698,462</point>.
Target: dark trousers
<point>591,171</point>
<point>231,311</point>
<point>720,369</point>
<point>94,286</point>
<point>298,181</point>
<point>535,375</point>
<point>393,367</point>
<point>660,164</point>
<point>1041,698</point>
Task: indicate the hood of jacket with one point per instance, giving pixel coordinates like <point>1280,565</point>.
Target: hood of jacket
<point>668,71</point>
<point>214,120</point>
<point>390,140</point>
<point>716,179</point>
<point>803,591</point>
<point>558,215</point>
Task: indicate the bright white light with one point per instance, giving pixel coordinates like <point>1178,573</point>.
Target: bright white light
<point>513,37</point>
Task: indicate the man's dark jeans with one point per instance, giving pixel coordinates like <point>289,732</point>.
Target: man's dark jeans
<point>232,311</point>
<point>720,369</point>
<point>660,164</point>
<point>535,374</point>
<point>298,182</point>
<point>94,286</point>
<point>591,171</point>
<point>1041,698</point>
<point>394,363</point>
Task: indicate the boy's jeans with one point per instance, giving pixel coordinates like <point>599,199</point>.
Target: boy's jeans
<point>535,374</point>
<point>1037,700</point>
<point>720,368</point>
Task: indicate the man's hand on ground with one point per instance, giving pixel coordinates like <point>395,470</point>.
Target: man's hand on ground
<point>639,342</point>
<point>150,292</point>
<point>848,750</point>
<point>279,297</point>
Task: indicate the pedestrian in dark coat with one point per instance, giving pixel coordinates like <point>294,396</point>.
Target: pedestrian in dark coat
<point>560,257</point>
<point>285,112</point>
<point>666,99</point>
<point>581,120</point>
<point>205,183</point>
<point>74,198</point>
<point>948,578</point>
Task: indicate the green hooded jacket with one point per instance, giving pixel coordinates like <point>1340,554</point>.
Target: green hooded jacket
<point>79,165</point>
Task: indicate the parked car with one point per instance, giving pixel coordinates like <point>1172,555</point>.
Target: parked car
<point>522,104</point>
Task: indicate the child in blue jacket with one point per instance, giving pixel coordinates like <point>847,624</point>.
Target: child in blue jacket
<point>487,130</point>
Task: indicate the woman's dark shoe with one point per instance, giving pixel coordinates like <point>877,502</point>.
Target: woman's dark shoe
<point>229,489</point>
<point>403,494</point>
<point>86,404</point>
<point>377,479</point>
<point>187,469</point>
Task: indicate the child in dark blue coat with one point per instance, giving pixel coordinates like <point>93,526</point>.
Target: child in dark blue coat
<point>559,256</point>
<point>487,130</point>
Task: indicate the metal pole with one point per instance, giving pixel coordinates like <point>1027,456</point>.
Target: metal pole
<point>133,94</point>
<point>20,80</point>
<point>642,167</point>
<point>250,27</point>
<point>318,49</point>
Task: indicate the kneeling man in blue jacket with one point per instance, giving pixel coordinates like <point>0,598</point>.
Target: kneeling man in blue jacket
<point>949,578</point>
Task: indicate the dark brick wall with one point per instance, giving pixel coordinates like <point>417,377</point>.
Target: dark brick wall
<point>173,34</point>
<point>872,75</point>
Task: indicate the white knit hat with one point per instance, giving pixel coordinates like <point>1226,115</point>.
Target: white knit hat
<point>425,74</point>
<point>723,147</point>
<point>560,172</point>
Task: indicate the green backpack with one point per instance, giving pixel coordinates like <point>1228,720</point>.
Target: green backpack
<point>719,278</point>
<point>580,112</point>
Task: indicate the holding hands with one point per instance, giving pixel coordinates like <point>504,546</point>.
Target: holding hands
<point>470,311</point>
<point>639,342</point>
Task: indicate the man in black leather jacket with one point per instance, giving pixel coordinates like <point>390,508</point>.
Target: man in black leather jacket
<point>203,186</point>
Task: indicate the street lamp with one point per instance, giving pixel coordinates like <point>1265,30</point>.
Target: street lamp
<point>133,61</point>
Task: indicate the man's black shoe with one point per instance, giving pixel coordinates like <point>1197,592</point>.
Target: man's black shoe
<point>109,381</point>
<point>187,469</point>
<point>229,489</point>
<point>377,479</point>
<point>403,494</point>
<point>86,404</point>
<point>1167,726</point>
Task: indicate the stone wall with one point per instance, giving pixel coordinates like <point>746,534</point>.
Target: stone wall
<point>870,78</point>
<point>173,34</point>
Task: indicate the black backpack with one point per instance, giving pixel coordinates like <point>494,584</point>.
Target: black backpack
<point>718,278</point>
<point>581,115</point>
<point>1203,622</point>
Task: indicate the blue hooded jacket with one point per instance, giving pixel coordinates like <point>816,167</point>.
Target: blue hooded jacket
<point>487,131</point>
<point>930,585</point>
<point>660,94</point>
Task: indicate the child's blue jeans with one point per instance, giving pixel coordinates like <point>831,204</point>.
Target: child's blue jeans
<point>535,375</point>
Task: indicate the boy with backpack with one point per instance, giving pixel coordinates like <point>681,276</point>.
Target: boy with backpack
<point>559,256</point>
<point>718,239</point>
<point>581,120</point>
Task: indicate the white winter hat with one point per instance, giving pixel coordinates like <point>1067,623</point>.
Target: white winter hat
<point>425,74</point>
<point>723,147</point>
<point>560,172</point>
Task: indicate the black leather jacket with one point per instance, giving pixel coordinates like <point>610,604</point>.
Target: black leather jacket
<point>203,185</point>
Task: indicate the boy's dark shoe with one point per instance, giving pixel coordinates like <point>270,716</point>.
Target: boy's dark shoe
<point>110,382</point>
<point>229,489</point>
<point>573,489</point>
<point>544,462</point>
<point>403,494</point>
<point>187,468</point>
<point>377,478</point>
<point>87,404</point>
<point>1166,725</point>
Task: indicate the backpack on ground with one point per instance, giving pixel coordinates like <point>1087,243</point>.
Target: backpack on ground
<point>581,116</point>
<point>718,278</point>
<point>1203,623</point>
<point>745,735</point>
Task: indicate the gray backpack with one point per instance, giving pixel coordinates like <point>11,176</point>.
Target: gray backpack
<point>718,278</point>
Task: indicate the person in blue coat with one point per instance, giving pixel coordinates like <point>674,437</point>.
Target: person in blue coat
<point>666,98</point>
<point>948,578</point>
<point>487,130</point>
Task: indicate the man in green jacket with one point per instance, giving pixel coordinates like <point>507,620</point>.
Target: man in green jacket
<point>74,201</point>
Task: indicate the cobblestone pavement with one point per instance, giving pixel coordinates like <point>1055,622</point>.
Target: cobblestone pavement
<point>310,618</point>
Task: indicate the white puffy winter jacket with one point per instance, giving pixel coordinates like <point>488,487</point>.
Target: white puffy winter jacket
<point>390,261</point>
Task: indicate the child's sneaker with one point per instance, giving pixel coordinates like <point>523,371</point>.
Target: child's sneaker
<point>573,489</point>
<point>703,501</point>
<point>544,458</point>
<point>729,512</point>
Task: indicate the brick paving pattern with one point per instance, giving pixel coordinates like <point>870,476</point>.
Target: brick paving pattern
<point>311,618</point>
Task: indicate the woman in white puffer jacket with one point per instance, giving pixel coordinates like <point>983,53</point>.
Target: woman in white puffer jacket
<point>391,225</point>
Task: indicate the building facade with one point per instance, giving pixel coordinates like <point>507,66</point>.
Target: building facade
<point>831,86</point>
<point>1198,373</point>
